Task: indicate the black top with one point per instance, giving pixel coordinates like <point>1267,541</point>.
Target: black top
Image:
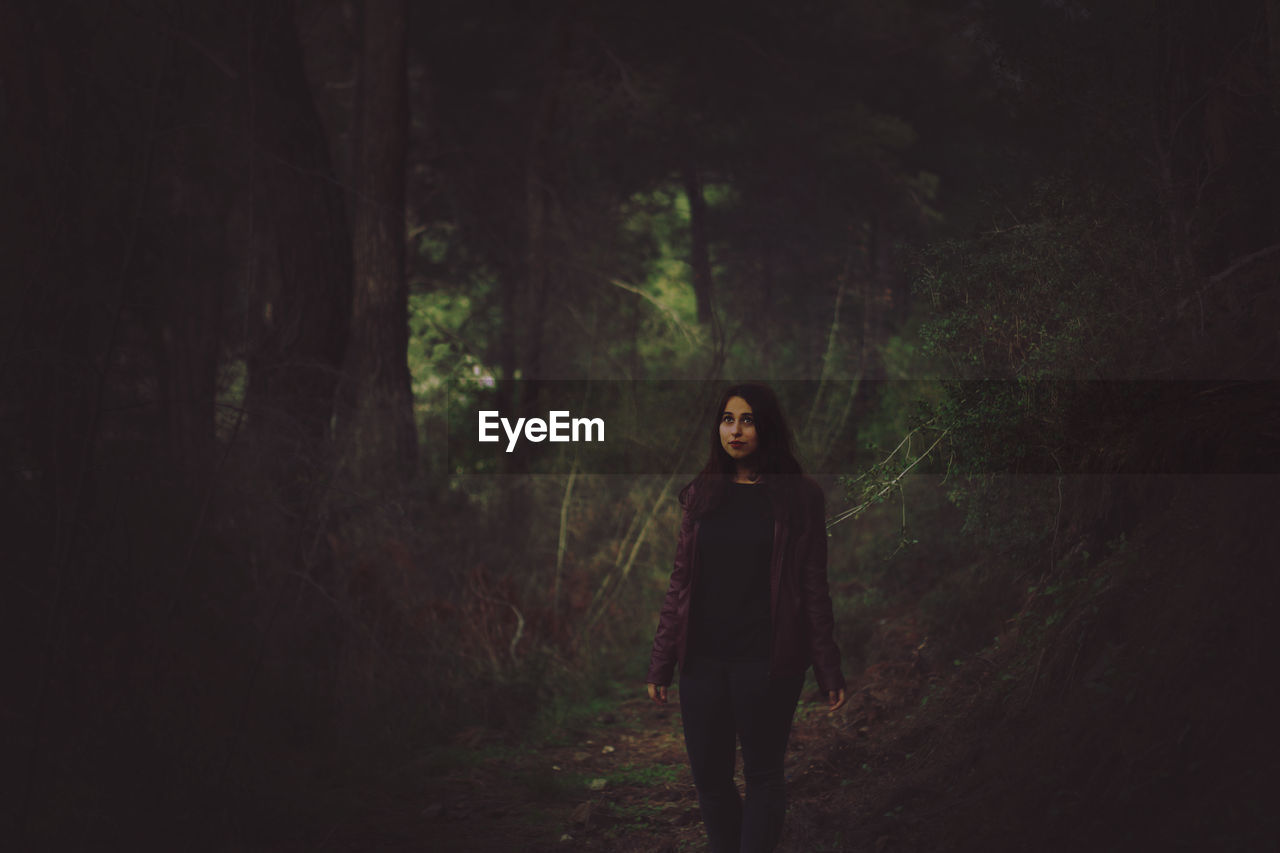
<point>729,617</point>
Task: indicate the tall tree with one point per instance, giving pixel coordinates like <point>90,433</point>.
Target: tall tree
<point>301,284</point>
<point>47,370</point>
<point>700,258</point>
<point>186,266</point>
<point>376,419</point>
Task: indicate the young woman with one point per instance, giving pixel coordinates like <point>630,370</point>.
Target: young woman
<point>746,613</point>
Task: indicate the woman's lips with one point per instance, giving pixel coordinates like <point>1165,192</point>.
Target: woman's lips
<point>736,443</point>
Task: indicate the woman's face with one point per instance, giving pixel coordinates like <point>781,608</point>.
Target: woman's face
<point>738,429</point>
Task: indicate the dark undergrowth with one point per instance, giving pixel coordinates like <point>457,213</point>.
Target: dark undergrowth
<point>1129,705</point>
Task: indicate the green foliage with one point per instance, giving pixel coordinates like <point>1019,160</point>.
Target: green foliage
<point>556,785</point>
<point>1017,317</point>
<point>644,775</point>
<point>568,713</point>
<point>967,605</point>
<point>634,815</point>
<point>1024,316</point>
<point>1006,515</point>
<point>656,223</point>
<point>1053,295</point>
<point>446,357</point>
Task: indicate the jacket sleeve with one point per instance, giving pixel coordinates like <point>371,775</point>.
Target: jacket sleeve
<point>666,642</point>
<point>817,596</point>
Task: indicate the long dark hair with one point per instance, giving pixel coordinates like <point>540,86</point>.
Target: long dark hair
<point>774,458</point>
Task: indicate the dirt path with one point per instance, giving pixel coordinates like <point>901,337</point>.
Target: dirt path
<point>620,785</point>
<point>617,779</point>
<point>620,780</point>
<point>624,787</point>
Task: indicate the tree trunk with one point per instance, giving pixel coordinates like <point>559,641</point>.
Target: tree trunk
<point>539,181</point>
<point>378,434</point>
<point>301,281</point>
<point>766,330</point>
<point>52,365</point>
<point>188,266</point>
<point>870,281</point>
<point>699,254</point>
<point>49,368</point>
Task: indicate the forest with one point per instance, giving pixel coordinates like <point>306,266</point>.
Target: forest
<point>1011,266</point>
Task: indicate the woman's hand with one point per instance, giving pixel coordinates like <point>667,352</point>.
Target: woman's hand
<point>658,693</point>
<point>835,699</point>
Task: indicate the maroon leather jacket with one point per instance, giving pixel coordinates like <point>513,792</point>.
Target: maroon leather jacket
<point>800,603</point>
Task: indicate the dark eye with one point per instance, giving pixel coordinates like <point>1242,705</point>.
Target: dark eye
<point>747,419</point>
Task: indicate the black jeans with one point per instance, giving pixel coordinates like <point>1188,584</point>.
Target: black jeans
<point>722,702</point>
